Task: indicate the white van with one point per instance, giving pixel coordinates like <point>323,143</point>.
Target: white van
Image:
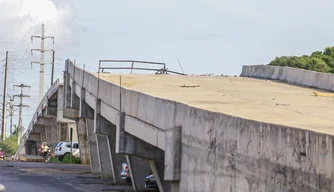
<point>64,147</point>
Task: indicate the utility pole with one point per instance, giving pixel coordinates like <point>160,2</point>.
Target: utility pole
<point>11,111</point>
<point>8,109</point>
<point>41,62</point>
<point>53,66</point>
<point>19,129</point>
<point>3,123</point>
<point>11,114</point>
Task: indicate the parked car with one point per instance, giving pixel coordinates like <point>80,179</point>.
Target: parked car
<point>125,174</point>
<point>150,181</point>
<point>64,147</point>
<point>2,154</point>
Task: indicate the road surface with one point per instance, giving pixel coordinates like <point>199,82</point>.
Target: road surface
<point>52,177</point>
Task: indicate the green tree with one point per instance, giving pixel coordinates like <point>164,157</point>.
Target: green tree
<point>329,51</point>
<point>316,54</point>
<point>319,65</point>
<point>317,61</point>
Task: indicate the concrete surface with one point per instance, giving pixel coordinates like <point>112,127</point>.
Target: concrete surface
<point>34,158</point>
<point>249,98</point>
<point>237,134</point>
<point>52,177</point>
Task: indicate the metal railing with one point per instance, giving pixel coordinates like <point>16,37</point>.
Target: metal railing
<point>158,70</point>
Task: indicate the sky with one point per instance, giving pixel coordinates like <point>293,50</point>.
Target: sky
<point>211,36</point>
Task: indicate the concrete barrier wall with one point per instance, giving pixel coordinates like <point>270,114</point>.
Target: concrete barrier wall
<point>225,152</point>
<point>291,75</point>
<point>90,83</point>
<point>221,151</point>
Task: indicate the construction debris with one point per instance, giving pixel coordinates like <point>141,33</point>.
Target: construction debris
<point>282,104</point>
<point>322,94</point>
<point>187,86</point>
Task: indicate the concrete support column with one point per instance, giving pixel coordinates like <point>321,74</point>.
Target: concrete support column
<point>55,134</point>
<point>67,90</point>
<point>63,132</point>
<point>49,139</point>
<point>93,151</point>
<point>139,169</point>
<point>103,148</point>
<point>83,140</point>
<point>138,155</point>
<point>157,173</point>
<point>41,130</point>
<point>172,172</point>
<point>111,162</point>
<point>38,135</point>
<point>43,134</point>
<point>75,131</point>
<point>117,159</point>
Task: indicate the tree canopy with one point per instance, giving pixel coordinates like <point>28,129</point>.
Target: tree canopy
<point>321,61</point>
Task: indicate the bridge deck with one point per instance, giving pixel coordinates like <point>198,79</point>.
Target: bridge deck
<point>261,100</point>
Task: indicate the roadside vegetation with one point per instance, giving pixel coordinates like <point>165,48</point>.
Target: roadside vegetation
<point>66,159</point>
<point>75,160</point>
<point>10,145</point>
<point>320,61</point>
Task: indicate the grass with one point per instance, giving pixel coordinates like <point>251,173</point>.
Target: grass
<point>54,160</point>
<point>75,160</point>
<point>66,160</point>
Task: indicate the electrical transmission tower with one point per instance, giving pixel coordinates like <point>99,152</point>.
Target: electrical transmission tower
<point>19,128</point>
<point>41,62</point>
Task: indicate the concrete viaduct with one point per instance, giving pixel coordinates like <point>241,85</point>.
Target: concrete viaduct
<point>47,123</point>
<point>219,134</point>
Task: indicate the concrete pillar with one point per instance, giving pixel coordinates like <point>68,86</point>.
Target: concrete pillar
<point>41,130</point>
<point>139,169</point>
<point>63,131</point>
<point>157,173</point>
<point>55,134</point>
<point>138,155</point>
<point>103,149</point>
<point>29,148</point>
<point>173,154</point>
<point>75,131</point>
<point>111,162</point>
<point>51,133</point>
<point>172,162</point>
<point>38,135</point>
<point>106,130</point>
<point>117,159</point>
<point>48,134</point>
<point>67,90</point>
<point>93,152</point>
<point>83,141</point>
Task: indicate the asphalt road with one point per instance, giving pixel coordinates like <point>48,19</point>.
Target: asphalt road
<point>52,177</point>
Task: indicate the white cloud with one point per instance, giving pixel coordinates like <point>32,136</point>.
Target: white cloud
<point>19,19</point>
